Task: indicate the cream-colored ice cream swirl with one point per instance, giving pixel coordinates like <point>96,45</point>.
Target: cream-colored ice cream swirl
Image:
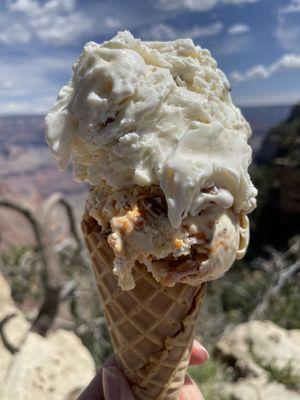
<point>154,113</point>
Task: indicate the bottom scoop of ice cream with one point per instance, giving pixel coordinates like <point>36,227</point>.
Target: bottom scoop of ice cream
<point>137,227</point>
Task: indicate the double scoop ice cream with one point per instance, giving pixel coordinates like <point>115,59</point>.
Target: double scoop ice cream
<point>152,127</point>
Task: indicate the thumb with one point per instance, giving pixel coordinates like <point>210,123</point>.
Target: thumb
<point>115,385</point>
<point>190,390</point>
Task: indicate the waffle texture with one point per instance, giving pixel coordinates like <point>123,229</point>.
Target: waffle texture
<point>152,327</point>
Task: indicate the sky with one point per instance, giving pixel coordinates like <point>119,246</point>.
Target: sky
<point>255,42</point>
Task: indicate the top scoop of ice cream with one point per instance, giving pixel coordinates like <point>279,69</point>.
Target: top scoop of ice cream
<point>154,113</point>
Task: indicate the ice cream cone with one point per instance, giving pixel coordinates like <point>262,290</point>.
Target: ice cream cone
<point>152,327</point>
<point>151,126</point>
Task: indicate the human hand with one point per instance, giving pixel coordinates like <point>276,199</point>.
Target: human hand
<point>190,390</point>
<point>111,384</point>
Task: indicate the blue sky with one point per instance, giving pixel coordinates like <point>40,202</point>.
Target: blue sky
<point>256,43</point>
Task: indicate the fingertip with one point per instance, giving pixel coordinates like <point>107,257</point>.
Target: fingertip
<point>199,354</point>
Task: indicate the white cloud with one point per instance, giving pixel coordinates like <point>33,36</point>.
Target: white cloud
<point>167,32</point>
<point>53,21</point>
<point>63,30</point>
<point>201,31</point>
<point>288,25</point>
<point>234,44</point>
<point>32,77</point>
<point>5,83</point>
<point>25,6</point>
<point>14,33</point>
<point>288,31</point>
<point>286,62</point>
<point>293,6</point>
<point>238,29</point>
<point>238,2</point>
<point>288,36</point>
<point>30,86</point>
<point>197,5</point>
<point>112,22</point>
<point>34,8</point>
<point>194,5</point>
<point>159,32</point>
<point>37,106</point>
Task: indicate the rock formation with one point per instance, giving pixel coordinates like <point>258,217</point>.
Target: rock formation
<point>265,359</point>
<point>277,177</point>
<point>56,367</point>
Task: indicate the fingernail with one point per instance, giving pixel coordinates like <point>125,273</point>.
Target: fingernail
<point>201,348</point>
<point>111,387</point>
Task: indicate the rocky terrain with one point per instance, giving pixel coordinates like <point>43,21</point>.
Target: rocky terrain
<point>56,367</point>
<point>277,175</point>
<point>265,359</point>
<point>262,119</point>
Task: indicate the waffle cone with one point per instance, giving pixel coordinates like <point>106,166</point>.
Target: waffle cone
<point>152,327</point>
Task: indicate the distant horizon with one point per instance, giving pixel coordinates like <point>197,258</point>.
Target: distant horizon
<point>238,105</point>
